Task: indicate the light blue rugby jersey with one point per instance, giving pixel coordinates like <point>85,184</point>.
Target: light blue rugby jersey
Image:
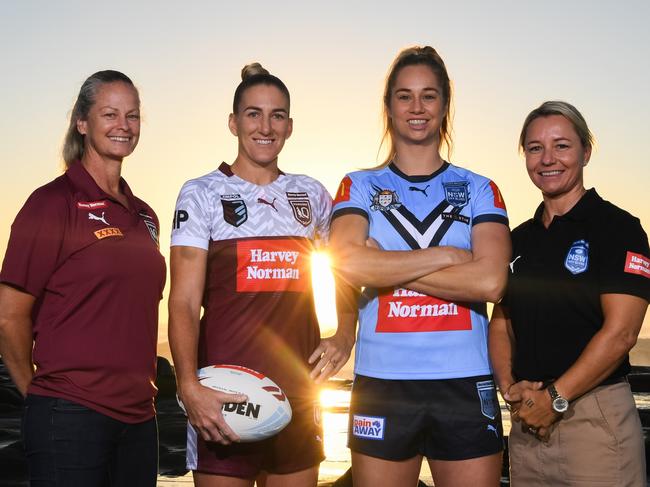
<point>404,334</point>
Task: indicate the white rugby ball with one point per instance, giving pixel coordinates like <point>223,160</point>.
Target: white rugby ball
<point>267,410</point>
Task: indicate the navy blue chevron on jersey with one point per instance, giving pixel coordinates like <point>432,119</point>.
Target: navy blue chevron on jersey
<point>404,334</point>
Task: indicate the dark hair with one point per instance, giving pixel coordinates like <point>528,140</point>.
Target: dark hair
<point>411,56</point>
<point>252,75</point>
<point>73,144</point>
<point>564,109</point>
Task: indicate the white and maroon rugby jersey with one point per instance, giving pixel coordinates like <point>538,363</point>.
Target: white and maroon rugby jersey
<point>258,301</point>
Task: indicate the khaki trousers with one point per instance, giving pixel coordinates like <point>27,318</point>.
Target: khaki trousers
<point>598,443</point>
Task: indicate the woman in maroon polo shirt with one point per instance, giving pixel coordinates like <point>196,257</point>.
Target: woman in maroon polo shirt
<point>79,292</point>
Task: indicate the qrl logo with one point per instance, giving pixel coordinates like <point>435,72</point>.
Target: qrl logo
<point>247,409</point>
<point>180,216</point>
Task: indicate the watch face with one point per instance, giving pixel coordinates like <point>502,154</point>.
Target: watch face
<point>560,404</point>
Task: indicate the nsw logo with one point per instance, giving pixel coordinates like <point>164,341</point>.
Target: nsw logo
<point>577,259</point>
<point>488,398</point>
<point>369,427</point>
<point>457,193</point>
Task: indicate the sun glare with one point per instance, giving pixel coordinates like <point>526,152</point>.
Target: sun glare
<point>323,283</point>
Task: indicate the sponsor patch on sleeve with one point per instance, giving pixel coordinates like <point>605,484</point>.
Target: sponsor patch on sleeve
<point>343,193</point>
<point>637,264</point>
<point>369,427</point>
<point>498,197</point>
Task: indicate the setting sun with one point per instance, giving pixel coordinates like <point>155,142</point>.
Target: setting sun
<point>323,283</point>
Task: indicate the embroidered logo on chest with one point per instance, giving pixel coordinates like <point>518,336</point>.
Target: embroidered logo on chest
<point>577,259</point>
<point>384,200</point>
<point>234,209</point>
<point>301,208</point>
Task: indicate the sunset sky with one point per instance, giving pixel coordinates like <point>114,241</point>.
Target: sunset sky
<point>504,57</point>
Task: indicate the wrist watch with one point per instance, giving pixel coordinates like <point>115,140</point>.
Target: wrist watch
<point>560,404</point>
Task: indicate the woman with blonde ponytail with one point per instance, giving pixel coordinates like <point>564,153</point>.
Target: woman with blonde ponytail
<point>80,287</point>
<point>428,242</point>
<point>224,222</point>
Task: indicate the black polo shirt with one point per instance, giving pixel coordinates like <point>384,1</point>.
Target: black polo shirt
<point>557,276</point>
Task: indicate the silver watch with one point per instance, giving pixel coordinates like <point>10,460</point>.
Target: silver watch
<point>560,404</point>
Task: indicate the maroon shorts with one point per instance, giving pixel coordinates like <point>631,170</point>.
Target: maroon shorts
<point>297,447</point>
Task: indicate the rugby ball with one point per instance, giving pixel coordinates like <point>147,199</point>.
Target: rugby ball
<point>265,413</point>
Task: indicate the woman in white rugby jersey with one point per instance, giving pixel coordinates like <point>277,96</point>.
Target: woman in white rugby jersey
<point>259,313</point>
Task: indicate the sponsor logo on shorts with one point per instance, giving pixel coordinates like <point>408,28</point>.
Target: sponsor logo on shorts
<point>493,429</point>
<point>487,396</point>
<point>457,193</point>
<point>180,217</point>
<point>637,264</point>
<point>108,232</point>
<point>369,427</point>
<point>343,193</point>
<point>91,205</point>
<point>402,310</point>
<point>301,207</point>
<point>272,265</point>
<point>234,209</point>
<point>577,259</point>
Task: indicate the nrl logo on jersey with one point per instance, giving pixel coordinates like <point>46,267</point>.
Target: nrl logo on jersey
<point>234,209</point>
<point>384,200</point>
<point>457,193</point>
<point>301,207</point>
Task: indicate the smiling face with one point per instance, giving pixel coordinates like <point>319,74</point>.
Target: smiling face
<point>555,156</point>
<point>417,106</point>
<point>112,128</point>
<point>261,124</point>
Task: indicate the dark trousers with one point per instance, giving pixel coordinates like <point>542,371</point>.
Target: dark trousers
<point>70,445</point>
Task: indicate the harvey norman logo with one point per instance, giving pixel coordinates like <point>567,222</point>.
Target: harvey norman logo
<point>272,265</point>
<point>402,310</point>
<point>637,264</point>
<point>369,427</point>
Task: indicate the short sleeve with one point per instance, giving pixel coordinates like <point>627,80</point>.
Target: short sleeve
<point>350,198</point>
<point>489,205</point>
<point>624,260</point>
<point>323,216</point>
<point>192,217</point>
<point>36,241</point>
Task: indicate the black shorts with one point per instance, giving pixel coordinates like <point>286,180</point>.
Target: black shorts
<point>298,446</point>
<point>450,419</point>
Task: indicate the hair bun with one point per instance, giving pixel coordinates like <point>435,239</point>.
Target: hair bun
<point>252,69</point>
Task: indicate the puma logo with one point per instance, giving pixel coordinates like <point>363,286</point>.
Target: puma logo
<point>493,429</point>
<point>423,191</point>
<point>92,216</point>
<point>271,203</point>
<point>512,264</point>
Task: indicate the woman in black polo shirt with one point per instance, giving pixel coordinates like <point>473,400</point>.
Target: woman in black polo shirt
<point>559,342</point>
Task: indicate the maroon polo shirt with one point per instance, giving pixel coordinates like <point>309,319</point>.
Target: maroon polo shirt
<point>97,275</point>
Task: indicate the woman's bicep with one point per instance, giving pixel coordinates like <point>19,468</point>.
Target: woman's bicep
<point>348,230</point>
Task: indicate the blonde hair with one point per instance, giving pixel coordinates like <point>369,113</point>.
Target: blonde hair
<point>564,109</point>
<point>412,56</point>
<point>73,143</point>
<point>254,74</point>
